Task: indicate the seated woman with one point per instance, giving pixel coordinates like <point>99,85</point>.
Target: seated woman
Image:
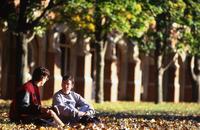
<point>71,106</point>
<point>26,106</point>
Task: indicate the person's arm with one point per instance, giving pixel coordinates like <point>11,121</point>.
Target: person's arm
<point>83,105</point>
<point>64,109</point>
<point>23,102</point>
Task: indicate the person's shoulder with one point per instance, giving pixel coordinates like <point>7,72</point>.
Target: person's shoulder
<point>28,85</point>
<point>59,92</point>
<point>74,94</point>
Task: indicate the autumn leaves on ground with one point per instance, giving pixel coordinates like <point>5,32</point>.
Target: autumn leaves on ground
<point>126,115</point>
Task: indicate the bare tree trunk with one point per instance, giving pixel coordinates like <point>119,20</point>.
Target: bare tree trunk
<point>176,82</point>
<point>160,72</point>
<point>159,81</point>
<point>137,75</point>
<point>21,60</point>
<point>100,65</point>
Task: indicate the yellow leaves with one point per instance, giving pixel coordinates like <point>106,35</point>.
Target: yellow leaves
<point>42,128</point>
<point>129,15</point>
<point>152,23</point>
<point>82,25</point>
<point>189,17</point>
<point>85,22</point>
<point>135,117</point>
<point>138,7</point>
<point>179,5</point>
<point>89,18</point>
<point>76,18</point>
<point>91,27</point>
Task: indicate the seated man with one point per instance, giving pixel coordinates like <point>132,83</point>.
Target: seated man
<point>26,106</point>
<point>71,106</point>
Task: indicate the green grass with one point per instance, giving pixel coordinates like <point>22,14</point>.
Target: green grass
<point>149,108</point>
<point>137,108</point>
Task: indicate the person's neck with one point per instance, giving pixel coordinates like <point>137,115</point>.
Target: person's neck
<point>36,83</point>
<point>66,92</point>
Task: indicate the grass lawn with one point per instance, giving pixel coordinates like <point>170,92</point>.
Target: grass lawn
<point>149,108</point>
<point>126,115</point>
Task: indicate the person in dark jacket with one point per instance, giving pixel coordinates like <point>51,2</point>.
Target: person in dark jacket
<point>26,106</point>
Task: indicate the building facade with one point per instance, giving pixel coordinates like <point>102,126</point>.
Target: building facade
<point>128,75</point>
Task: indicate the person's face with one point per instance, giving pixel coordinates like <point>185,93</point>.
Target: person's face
<point>43,81</point>
<point>67,85</point>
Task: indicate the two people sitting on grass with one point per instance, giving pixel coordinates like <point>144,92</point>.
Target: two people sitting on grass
<point>71,106</point>
<point>26,106</point>
<point>68,106</point>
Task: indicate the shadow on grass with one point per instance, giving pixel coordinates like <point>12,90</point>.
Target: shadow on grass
<point>4,109</point>
<point>159,116</point>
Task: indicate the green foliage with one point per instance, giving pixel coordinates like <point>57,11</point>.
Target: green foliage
<point>191,30</point>
<point>131,17</point>
<point>162,35</point>
<point>124,16</point>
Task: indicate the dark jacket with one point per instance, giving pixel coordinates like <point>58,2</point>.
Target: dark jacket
<point>26,103</point>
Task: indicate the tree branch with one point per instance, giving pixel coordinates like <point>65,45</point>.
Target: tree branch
<point>172,61</point>
<point>31,37</point>
<point>50,6</point>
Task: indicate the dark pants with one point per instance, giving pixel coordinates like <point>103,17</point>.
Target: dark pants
<point>43,120</point>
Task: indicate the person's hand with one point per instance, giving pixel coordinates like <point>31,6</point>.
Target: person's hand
<point>48,112</point>
<point>80,113</point>
<point>44,110</point>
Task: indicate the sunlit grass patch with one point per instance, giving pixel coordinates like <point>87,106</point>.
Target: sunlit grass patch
<point>149,108</point>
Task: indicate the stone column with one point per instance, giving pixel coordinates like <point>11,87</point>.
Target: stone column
<point>110,74</point>
<point>134,83</point>
<point>145,76</point>
<point>123,70</point>
<point>183,74</point>
<point>53,63</point>
<point>83,79</point>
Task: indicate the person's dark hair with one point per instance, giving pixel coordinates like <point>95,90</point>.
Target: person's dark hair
<point>39,73</point>
<point>68,77</point>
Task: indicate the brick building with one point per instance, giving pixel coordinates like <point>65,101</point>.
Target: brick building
<point>62,51</point>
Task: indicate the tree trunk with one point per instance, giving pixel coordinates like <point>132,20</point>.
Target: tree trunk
<point>100,64</point>
<point>159,82</point>
<point>176,83</point>
<point>21,59</point>
<point>137,75</point>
